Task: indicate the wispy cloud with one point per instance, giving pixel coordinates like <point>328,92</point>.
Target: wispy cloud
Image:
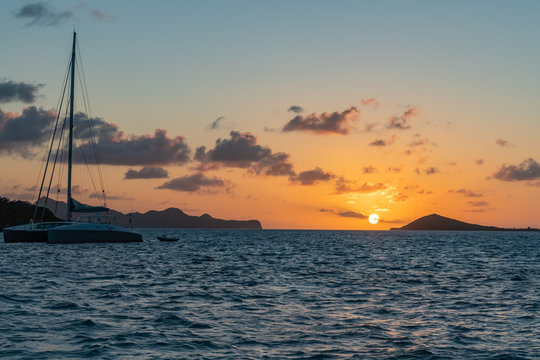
<point>296,109</point>
<point>42,14</point>
<point>216,124</point>
<point>465,192</point>
<point>370,102</point>
<point>344,186</point>
<point>402,121</point>
<point>503,143</point>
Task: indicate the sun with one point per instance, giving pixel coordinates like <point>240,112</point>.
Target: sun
<point>373,218</point>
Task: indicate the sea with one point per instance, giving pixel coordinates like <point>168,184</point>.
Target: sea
<point>275,294</point>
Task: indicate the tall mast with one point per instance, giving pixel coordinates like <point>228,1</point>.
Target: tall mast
<point>70,150</point>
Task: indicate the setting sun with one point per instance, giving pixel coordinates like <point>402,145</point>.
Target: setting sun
<point>373,218</point>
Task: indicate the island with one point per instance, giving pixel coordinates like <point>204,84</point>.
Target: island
<point>438,222</point>
<point>19,212</point>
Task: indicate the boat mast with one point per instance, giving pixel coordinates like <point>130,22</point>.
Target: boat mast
<point>70,150</point>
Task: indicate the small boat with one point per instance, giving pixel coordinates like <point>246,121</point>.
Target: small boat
<point>166,238</point>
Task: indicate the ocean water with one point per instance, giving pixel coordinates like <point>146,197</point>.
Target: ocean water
<point>275,295</point>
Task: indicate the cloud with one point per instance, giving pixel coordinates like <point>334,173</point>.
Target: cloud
<point>421,142</point>
<point>347,186</point>
<point>503,143</point>
<point>479,162</point>
<point>352,214</point>
<point>370,169</point>
<point>402,121</point>
<point>371,101</point>
<point>311,177</point>
<point>216,124</point>
<point>18,91</point>
<point>466,193</point>
<point>100,15</point>
<point>394,169</point>
<point>147,172</point>
<point>477,203</point>
<point>193,183</point>
<point>296,109</point>
<point>529,169</point>
<point>431,170</point>
<point>42,14</point>
<point>335,123</point>
<point>242,151</point>
<point>378,142</point>
<point>19,133</point>
<point>116,148</point>
<point>274,165</point>
<point>112,197</point>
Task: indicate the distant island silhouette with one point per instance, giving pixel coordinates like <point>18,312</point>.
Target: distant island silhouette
<point>19,212</point>
<point>438,222</point>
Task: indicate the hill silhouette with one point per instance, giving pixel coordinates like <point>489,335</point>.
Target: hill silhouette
<point>168,218</point>
<point>438,222</point>
<point>14,213</point>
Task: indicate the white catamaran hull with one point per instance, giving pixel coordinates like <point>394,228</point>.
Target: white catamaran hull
<point>91,233</point>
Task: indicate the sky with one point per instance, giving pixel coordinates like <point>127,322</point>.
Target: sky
<point>301,114</point>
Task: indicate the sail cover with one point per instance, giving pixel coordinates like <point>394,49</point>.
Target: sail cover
<point>83,208</point>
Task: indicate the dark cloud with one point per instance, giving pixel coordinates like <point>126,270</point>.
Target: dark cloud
<point>18,91</point>
<point>370,169</point>
<point>371,101</point>
<point>296,109</point>
<point>394,169</point>
<point>503,143</point>
<point>147,172</point>
<point>335,123</point>
<point>311,177</point>
<point>402,121</point>
<point>274,165</point>
<point>479,162</point>
<point>19,133</point>
<point>421,142</point>
<point>431,170</point>
<point>116,148</point>
<point>382,142</point>
<point>41,14</point>
<point>347,186</point>
<point>216,124</point>
<point>352,214</point>
<point>378,142</point>
<point>528,170</point>
<point>466,193</point>
<point>193,183</point>
<point>242,151</point>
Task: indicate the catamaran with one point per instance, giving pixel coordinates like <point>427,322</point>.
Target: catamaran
<point>87,228</point>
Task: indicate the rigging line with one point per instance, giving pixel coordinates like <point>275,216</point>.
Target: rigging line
<point>86,163</point>
<point>50,137</point>
<point>54,166</point>
<point>86,99</point>
<point>49,157</point>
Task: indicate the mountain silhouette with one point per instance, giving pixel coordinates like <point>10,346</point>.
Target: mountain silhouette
<point>168,218</point>
<point>14,213</point>
<point>438,222</point>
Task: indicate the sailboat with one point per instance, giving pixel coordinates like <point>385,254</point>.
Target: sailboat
<point>86,229</point>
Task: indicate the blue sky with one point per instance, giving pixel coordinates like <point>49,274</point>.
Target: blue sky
<point>470,67</point>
